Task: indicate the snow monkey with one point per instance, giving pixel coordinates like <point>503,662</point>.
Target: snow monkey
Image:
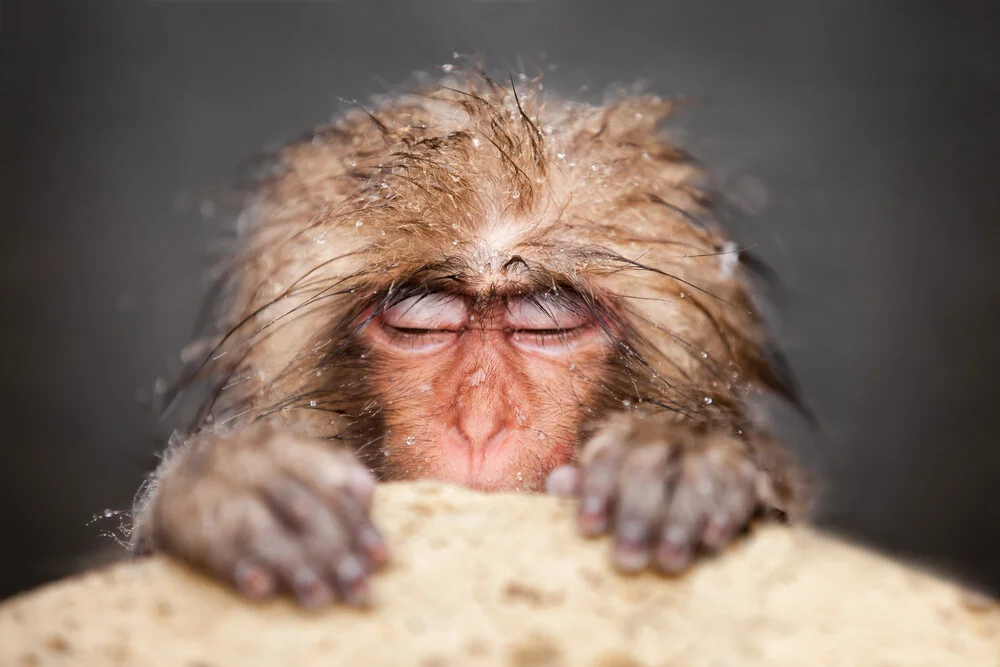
<point>482,284</point>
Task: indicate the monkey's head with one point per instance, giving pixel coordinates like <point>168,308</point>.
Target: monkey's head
<point>463,282</point>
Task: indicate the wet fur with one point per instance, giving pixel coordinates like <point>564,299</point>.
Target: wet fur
<point>408,198</point>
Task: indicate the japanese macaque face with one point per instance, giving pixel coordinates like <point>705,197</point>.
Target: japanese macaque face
<point>486,392</point>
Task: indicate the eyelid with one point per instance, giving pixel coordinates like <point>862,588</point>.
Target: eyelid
<point>432,312</point>
<point>419,339</point>
<point>540,314</point>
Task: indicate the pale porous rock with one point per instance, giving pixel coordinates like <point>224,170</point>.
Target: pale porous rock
<point>505,580</point>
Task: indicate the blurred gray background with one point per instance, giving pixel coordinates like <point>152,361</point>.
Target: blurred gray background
<point>871,126</point>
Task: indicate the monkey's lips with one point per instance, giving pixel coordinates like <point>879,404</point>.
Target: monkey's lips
<point>509,460</point>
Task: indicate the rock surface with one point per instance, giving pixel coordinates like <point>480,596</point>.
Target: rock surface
<point>505,580</point>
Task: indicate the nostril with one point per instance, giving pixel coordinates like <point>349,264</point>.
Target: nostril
<point>479,427</point>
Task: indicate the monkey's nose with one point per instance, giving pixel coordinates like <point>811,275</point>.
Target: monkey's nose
<point>481,423</point>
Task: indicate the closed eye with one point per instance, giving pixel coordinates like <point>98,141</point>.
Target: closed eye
<point>425,322</point>
<point>550,340</point>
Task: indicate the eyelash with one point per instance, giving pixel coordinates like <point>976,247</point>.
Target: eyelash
<point>541,337</point>
<point>546,337</point>
<point>413,338</point>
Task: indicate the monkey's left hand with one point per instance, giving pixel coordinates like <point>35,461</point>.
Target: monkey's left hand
<point>664,488</point>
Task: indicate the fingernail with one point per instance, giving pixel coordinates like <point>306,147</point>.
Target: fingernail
<point>310,590</point>
<point>374,546</point>
<point>593,519</point>
<point>717,531</point>
<point>353,583</point>
<point>671,558</point>
<point>254,581</point>
<point>630,558</point>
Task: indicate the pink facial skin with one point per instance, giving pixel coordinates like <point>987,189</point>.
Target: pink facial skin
<point>495,390</point>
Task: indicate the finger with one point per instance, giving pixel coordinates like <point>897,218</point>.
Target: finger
<point>366,540</point>
<point>684,520</point>
<point>346,489</point>
<point>274,548</point>
<point>361,482</point>
<point>254,580</point>
<point>353,582</point>
<point>597,489</point>
<point>732,508</point>
<point>331,536</point>
<point>639,512</point>
<point>563,481</point>
<point>323,466</point>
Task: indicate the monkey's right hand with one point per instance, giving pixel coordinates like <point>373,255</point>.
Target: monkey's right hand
<point>267,511</point>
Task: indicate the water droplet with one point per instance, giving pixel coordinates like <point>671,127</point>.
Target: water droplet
<point>359,223</point>
<point>735,374</point>
<point>704,354</point>
<point>541,436</point>
<point>561,156</point>
<point>447,68</point>
<point>708,400</point>
<point>516,194</point>
<point>455,242</point>
<point>572,367</point>
<point>593,167</point>
<point>626,403</point>
<point>427,459</point>
<point>321,239</point>
<point>520,476</point>
<point>312,404</point>
<point>410,440</point>
<point>476,378</point>
<point>475,142</point>
<point>682,295</point>
<point>454,225</point>
<point>385,452</point>
<point>108,514</point>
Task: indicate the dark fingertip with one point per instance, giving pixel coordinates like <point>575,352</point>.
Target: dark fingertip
<point>631,546</point>
<point>718,532</point>
<point>672,558</point>
<point>311,591</point>
<point>254,581</point>
<point>631,557</point>
<point>375,547</point>
<point>593,518</point>
<point>352,581</point>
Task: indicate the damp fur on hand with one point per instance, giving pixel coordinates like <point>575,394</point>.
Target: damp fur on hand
<point>480,283</point>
